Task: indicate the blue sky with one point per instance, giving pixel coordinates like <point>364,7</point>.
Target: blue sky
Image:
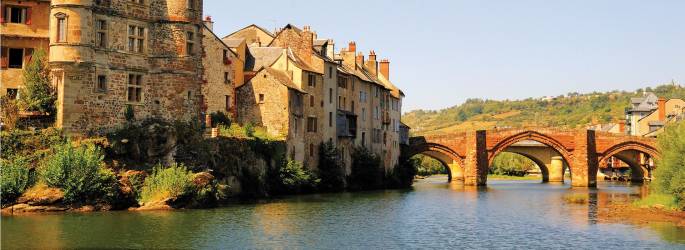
<point>443,52</point>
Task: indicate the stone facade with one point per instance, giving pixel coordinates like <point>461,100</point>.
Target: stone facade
<point>222,67</point>
<point>23,30</point>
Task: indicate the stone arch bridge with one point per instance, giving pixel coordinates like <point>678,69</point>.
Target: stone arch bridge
<point>468,155</point>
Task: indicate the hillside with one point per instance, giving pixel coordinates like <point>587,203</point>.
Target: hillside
<point>571,110</point>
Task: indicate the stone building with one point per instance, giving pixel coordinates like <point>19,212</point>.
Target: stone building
<point>23,30</point>
<point>107,56</point>
<point>222,71</point>
<point>647,115</point>
<point>345,100</point>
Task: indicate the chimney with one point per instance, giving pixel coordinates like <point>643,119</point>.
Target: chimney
<point>385,68</point>
<point>622,126</point>
<point>371,64</point>
<point>662,109</point>
<point>352,47</point>
<point>209,23</point>
<point>360,59</point>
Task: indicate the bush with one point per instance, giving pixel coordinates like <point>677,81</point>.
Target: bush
<point>669,175</point>
<point>366,171</point>
<point>403,174</point>
<point>219,118</point>
<point>79,172</point>
<point>37,93</point>
<point>15,178</point>
<point>129,115</point>
<point>170,182</point>
<point>10,112</point>
<point>296,178</point>
<point>331,170</point>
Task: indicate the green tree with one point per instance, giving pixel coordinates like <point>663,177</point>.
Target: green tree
<point>296,178</point>
<point>366,169</point>
<point>37,94</point>
<point>331,169</point>
<point>669,175</point>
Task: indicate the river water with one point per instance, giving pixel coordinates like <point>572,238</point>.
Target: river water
<point>434,214</point>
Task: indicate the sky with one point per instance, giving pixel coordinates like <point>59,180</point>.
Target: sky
<point>444,52</point>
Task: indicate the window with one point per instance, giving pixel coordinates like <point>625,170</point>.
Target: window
<point>135,87</point>
<point>226,80</point>
<point>363,114</point>
<point>376,113</point>
<point>101,35</point>
<point>342,82</point>
<point>330,95</point>
<point>138,1</point>
<point>352,108</point>
<point>311,80</point>
<point>363,138</point>
<point>377,91</point>
<point>136,39</point>
<point>311,101</point>
<point>311,124</point>
<point>101,83</point>
<point>228,103</point>
<point>191,4</point>
<point>340,102</point>
<point>13,93</point>
<point>261,98</point>
<point>330,119</point>
<point>61,27</point>
<point>362,96</point>
<point>17,14</point>
<point>311,149</point>
<point>330,72</point>
<point>190,43</point>
<point>16,58</point>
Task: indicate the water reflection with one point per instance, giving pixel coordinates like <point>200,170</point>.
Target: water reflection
<point>434,214</point>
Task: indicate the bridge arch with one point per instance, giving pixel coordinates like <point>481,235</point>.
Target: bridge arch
<point>448,157</point>
<point>629,153</point>
<point>530,135</point>
<point>540,163</point>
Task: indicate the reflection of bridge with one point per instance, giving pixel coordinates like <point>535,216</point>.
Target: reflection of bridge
<point>468,155</point>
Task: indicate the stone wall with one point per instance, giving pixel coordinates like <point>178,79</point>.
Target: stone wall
<point>218,75</point>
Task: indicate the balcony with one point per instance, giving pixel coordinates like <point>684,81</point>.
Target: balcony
<point>346,124</point>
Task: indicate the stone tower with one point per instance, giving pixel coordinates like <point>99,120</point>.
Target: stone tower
<point>108,56</point>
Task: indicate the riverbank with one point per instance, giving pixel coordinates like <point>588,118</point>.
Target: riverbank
<point>626,212</point>
<point>514,178</point>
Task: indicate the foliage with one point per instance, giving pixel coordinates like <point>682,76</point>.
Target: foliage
<point>15,178</point>
<point>366,169</point>
<point>512,164</point>
<point>428,166</point>
<point>10,112</point>
<point>331,169</point>
<point>219,118</point>
<point>249,129</point>
<point>129,113</point>
<point>170,182</point>
<point>79,172</point>
<point>669,175</point>
<point>667,200</point>
<point>402,175</point>
<point>571,110</point>
<point>29,143</point>
<point>296,178</point>
<point>37,93</point>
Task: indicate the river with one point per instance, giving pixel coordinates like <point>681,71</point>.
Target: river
<point>434,214</point>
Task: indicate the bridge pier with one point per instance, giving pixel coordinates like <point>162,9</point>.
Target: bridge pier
<point>584,164</point>
<point>476,160</point>
<point>556,169</point>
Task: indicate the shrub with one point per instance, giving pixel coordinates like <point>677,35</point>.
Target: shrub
<point>219,118</point>
<point>366,171</point>
<point>296,178</point>
<point>37,93</point>
<point>170,182</point>
<point>331,169</point>
<point>129,115</point>
<point>669,175</point>
<point>10,112</point>
<point>249,129</point>
<point>403,174</point>
<point>79,172</point>
<point>15,178</point>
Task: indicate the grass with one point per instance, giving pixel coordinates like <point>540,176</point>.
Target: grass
<point>164,183</point>
<point>657,199</point>
<point>517,178</point>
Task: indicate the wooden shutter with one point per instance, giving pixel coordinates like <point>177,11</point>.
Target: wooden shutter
<point>28,16</point>
<point>4,58</point>
<point>3,13</point>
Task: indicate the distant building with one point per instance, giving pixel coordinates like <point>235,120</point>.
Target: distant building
<point>648,115</point>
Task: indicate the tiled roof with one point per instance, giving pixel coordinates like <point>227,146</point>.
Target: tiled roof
<point>301,63</point>
<point>283,78</point>
<point>259,57</point>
